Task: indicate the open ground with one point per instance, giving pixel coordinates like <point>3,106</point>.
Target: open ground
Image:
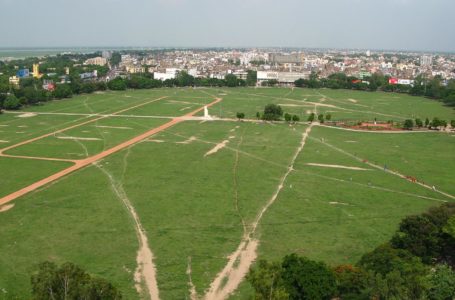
<point>139,188</point>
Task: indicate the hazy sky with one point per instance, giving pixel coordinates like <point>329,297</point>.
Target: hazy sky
<point>366,24</point>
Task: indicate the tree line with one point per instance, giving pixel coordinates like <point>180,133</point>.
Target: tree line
<point>431,88</point>
<point>416,263</point>
<point>31,91</point>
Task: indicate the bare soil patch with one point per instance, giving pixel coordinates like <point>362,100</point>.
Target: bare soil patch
<point>27,115</point>
<point>217,148</point>
<point>337,167</point>
<point>6,207</point>
<point>191,139</point>
<point>78,138</point>
<point>113,127</point>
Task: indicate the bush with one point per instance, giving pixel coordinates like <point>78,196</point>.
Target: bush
<point>287,117</point>
<point>117,84</point>
<point>295,278</point>
<point>69,282</point>
<point>240,115</point>
<point>419,122</point>
<point>272,112</point>
<point>408,124</point>
<point>295,118</point>
<point>11,102</point>
<point>311,117</point>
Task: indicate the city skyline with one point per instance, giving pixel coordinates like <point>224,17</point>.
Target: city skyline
<point>406,25</point>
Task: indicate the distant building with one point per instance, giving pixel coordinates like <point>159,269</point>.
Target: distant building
<point>48,85</point>
<point>162,76</point>
<point>89,75</point>
<point>36,73</point>
<point>241,74</point>
<point>363,74</point>
<point>171,73</point>
<point>281,77</point>
<point>14,80</point>
<point>132,69</point>
<point>426,61</point>
<point>23,73</point>
<point>99,61</point>
<point>295,58</point>
<point>106,54</point>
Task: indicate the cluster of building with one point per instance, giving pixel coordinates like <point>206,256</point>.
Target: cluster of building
<point>282,66</point>
<point>288,66</point>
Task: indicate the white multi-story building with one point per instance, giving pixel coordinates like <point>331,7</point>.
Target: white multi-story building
<point>281,77</point>
<point>426,60</point>
<point>171,73</point>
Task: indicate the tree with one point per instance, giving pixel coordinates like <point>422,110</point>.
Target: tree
<point>272,112</point>
<point>184,79</point>
<point>117,84</point>
<point>63,91</point>
<point>408,124</point>
<point>436,122</point>
<point>267,281</point>
<point>295,118</point>
<point>397,273</point>
<point>231,80</point>
<point>321,118</point>
<point>251,77</point>
<point>449,228</point>
<point>307,279</point>
<point>299,82</point>
<point>353,282</point>
<point>418,235</point>
<point>311,117</point>
<point>116,58</point>
<point>427,122</point>
<point>328,117</point>
<point>69,282</point>
<point>11,102</point>
<point>258,115</point>
<point>419,122</point>
<point>240,115</point>
<point>442,281</point>
<point>287,117</point>
<point>452,123</point>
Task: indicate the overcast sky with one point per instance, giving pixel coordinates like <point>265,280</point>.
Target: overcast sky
<point>364,24</point>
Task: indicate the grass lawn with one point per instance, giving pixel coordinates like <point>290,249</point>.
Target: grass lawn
<point>192,201</point>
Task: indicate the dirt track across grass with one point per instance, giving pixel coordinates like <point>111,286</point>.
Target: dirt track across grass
<point>79,164</point>
<point>239,262</point>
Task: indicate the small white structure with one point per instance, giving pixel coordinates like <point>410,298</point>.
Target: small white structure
<point>206,113</point>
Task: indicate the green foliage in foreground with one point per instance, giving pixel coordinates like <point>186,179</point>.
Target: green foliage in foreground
<point>295,278</point>
<point>70,282</point>
<point>417,264</point>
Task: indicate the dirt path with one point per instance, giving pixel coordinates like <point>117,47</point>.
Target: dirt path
<point>396,173</point>
<point>192,288</point>
<point>383,131</point>
<point>38,158</point>
<point>337,167</point>
<point>145,274</point>
<point>75,126</point>
<point>239,262</point>
<point>93,115</point>
<point>85,162</point>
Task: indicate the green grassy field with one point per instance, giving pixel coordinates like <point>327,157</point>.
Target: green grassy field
<point>195,203</point>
